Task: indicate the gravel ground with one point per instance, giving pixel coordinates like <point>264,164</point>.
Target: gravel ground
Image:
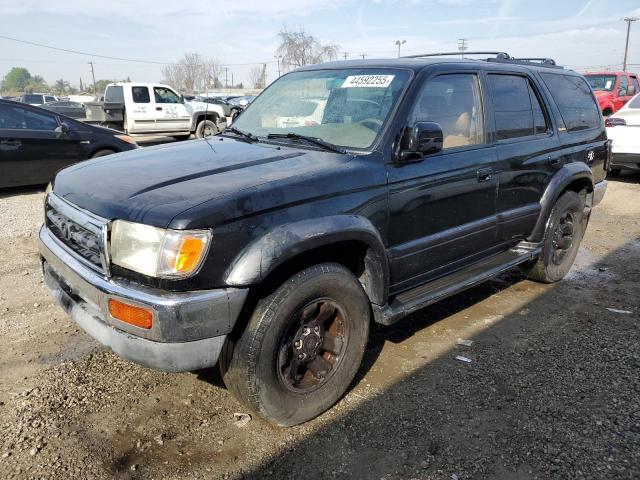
<point>552,390</point>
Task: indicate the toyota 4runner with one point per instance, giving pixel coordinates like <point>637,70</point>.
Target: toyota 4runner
<point>270,248</point>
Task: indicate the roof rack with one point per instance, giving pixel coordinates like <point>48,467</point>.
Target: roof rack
<point>499,57</point>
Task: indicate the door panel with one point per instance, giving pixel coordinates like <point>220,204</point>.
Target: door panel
<point>141,117</point>
<point>171,113</point>
<point>528,153</point>
<point>31,152</point>
<point>442,210</point>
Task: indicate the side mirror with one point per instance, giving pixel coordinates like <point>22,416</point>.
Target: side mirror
<point>62,129</point>
<point>424,138</point>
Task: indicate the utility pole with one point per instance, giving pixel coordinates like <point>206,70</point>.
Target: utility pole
<point>232,84</point>
<point>363,55</point>
<point>626,45</point>
<point>462,46</point>
<point>278,57</point>
<point>226,72</point>
<point>399,43</point>
<point>94,78</point>
<point>345,55</point>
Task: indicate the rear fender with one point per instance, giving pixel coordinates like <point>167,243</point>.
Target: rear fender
<point>564,177</point>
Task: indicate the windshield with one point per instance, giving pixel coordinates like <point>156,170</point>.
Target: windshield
<point>602,82</point>
<point>344,107</point>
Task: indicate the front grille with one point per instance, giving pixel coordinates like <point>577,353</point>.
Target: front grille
<point>79,231</point>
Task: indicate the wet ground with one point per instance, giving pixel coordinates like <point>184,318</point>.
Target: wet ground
<point>552,389</point>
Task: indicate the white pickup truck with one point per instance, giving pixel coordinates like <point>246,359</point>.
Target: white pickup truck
<point>152,108</point>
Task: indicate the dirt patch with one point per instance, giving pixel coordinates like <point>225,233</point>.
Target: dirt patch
<point>552,390</point>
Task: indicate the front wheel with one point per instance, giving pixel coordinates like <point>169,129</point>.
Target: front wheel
<point>302,346</point>
<point>562,238</point>
<point>206,128</point>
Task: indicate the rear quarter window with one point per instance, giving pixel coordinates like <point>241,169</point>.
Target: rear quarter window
<point>575,101</point>
<point>114,94</point>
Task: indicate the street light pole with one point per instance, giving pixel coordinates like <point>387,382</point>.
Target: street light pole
<point>278,57</point>
<point>399,43</point>
<point>94,78</point>
<point>626,45</point>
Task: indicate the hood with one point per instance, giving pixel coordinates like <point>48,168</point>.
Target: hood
<point>602,94</point>
<point>153,185</point>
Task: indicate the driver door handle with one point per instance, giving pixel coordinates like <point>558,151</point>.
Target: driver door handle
<point>484,174</point>
<point>11,143</point>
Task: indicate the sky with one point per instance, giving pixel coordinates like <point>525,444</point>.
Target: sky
<point>580,34</point>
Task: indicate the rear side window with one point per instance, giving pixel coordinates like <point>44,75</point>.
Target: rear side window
<point>140,94</point>
<point>517,109</point>
<point>573,96</point>
<point>634,82</point>
<point>622,88</point>
<point>114,94</point>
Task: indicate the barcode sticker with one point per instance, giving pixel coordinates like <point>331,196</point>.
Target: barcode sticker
<point>368,81</point>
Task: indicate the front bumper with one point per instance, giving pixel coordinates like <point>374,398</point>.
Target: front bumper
<point>189,328</point>
<point>599,189</point>
<point>626,161</point>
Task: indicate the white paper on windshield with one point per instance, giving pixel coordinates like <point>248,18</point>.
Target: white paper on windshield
<point>608,84</point>
<point>368,81</point>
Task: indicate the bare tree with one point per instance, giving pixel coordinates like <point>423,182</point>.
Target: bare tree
<point>257,76</point>
<point>299,48</point>
<point>192,73</point>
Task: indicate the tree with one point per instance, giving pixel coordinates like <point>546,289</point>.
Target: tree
<point>299,48</point>
<point>16,80</point>
<point>192,73</point>
<point>257,76</point>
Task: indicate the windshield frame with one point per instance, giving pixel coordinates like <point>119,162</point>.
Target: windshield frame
<point>381,135</point>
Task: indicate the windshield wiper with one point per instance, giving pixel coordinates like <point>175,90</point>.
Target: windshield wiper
<point>313,140</point>
<point>249,136</point>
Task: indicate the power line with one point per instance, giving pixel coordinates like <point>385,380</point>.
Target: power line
<point>133,60</point>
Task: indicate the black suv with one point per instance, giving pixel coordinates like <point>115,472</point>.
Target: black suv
<point>346,193</point>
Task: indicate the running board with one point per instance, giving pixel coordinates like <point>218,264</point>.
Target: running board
<point>417,298</point>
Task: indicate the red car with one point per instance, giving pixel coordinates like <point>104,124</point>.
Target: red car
<point>613,89</point>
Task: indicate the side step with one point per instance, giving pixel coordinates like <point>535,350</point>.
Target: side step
<point>417,298</point>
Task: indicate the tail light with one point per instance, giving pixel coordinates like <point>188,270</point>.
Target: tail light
<point>614,122</point>
<point>608,155</point>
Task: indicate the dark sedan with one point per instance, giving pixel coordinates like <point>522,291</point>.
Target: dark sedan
<point>68,108</point>
<point>35,143</point>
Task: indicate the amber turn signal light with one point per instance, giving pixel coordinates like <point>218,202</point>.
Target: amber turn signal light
<point>137,316</point>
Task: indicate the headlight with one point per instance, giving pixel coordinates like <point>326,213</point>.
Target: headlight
<point>158,252</point>
<point>126,138</point>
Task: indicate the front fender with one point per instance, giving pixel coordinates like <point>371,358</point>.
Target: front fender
<point>568,174</point>
<point>264,255</point>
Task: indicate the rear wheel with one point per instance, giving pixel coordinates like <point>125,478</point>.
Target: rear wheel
<point>102,153</point>
<point>302,346</point>
<point>562,238</point>
<point>206,128</point>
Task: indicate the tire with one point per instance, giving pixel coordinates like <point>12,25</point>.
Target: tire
<point>264,369</point>
<point>102,153</point>
<point>181,138</point>
<point>206,126</point>
<point>614,172</point>
<point>607,112</point>
<point>562,238</point>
